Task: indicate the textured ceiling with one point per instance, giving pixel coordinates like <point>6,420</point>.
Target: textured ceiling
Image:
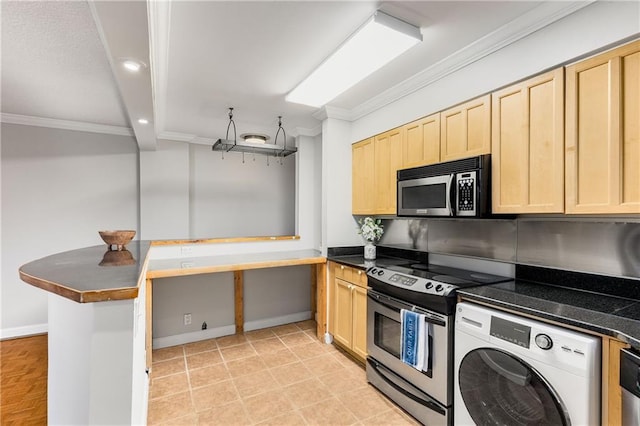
<point>62,59</point>
<point>54,64</point>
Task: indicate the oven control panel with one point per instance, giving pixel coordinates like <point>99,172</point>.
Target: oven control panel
<point>410,282</point>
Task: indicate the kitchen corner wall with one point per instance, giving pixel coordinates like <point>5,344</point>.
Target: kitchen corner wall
<point>59,187</point>
<point>189,192</point>
<point>603,245</point>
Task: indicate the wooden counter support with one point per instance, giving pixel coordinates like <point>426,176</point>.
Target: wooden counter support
<point>319,289</point>
<point>238,284</point>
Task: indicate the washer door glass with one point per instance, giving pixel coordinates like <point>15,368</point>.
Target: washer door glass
<point>500,389</point>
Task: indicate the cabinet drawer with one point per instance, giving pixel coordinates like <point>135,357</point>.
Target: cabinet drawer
<point>351,275</point>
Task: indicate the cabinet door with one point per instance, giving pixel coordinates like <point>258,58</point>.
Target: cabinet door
<point>527,151</point>
<point>421,142</point>
<point>603,133</point>
<point>343,312</point>
<point>388,160</point>
<point>359,340</point>
<point>362,195</point>
<point>465,130</point>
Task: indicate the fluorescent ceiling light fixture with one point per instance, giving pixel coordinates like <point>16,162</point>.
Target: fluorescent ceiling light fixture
<point>380,40</point>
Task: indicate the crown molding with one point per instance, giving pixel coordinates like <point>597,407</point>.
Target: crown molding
<point>329,111</point>
<point>305,131</point>
<point>524,25</point>
<point>54,123</point>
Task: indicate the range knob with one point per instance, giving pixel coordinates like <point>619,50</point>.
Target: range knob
<point>544,342</point>
<point>429,285</point>
<point>373,271</point>
<point>380,273</point>
<point>439,288</point>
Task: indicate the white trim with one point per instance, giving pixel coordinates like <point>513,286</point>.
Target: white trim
<point>275,321</point>
<point>54,123</point>
<point>329,111</point>
<point>159,16</point>
<point>537,18</point>
<point>176,136</point>
<point>194,336</point>
<point>305,131</point>
<point>24,331</point>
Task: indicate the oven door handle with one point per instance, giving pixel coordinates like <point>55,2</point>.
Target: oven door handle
<point>391,379</point>
<point>396,306</point>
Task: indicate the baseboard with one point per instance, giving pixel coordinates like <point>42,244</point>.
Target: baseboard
<point>275,321</point>
<point>24,331</point>
<point>211,333</point>
<point>194,336</point>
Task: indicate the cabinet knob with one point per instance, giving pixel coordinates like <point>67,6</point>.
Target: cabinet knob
<point>341,266</point>
<point>359,272</point>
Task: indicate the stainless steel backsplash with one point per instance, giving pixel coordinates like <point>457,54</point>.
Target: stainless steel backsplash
<point>597,245</point>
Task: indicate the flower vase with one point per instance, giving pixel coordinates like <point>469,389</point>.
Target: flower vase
<point>369,251</point>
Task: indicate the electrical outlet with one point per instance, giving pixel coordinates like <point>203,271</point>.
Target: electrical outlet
<point>187,319</point>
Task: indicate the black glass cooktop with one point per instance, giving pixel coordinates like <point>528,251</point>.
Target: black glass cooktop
<point>458,277</point>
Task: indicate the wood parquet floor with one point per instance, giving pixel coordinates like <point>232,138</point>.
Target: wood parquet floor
<point>23,381</point>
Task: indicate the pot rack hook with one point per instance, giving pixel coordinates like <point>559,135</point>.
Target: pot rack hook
<point>231,122</point>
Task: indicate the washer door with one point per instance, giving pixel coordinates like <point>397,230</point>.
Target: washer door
<point>500,389</point>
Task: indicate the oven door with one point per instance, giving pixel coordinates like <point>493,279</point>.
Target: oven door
<point>383,345</point>
<point>430,196</point>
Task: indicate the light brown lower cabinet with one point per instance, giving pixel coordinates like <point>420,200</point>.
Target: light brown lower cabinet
<point>348,308</point>
<point>611,390</point>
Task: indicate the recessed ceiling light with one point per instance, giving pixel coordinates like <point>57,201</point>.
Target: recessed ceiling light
<point>143,121</point>
<point>131,65</point>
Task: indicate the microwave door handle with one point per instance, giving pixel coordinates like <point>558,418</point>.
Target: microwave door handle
<point>452,195</point>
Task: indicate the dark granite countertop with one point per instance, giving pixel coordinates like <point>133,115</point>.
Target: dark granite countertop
<point>386,256</point>
<point>614,315</point>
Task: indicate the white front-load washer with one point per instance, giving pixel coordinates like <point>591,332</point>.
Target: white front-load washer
<point>511,370</point>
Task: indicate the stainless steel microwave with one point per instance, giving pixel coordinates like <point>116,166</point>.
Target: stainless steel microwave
<point>459,188</point>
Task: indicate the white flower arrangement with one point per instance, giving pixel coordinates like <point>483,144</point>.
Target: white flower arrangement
<point>370,229</point>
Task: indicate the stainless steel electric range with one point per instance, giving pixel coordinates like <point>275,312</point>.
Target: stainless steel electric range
<point>429,290</point>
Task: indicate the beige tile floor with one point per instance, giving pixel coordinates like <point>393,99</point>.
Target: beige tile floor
<point>275,376</point>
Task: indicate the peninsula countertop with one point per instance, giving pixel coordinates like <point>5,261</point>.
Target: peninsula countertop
<point>96,274</point>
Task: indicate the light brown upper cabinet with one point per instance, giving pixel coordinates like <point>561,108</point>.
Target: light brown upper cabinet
<point>388,160</point>
<point>421,142</point>
<point>527,146</point>
<point>465,130</point>
<point>363,193</point>
<point>603,133</point>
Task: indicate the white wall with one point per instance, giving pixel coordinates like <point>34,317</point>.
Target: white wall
<point>59,188</point>
<point>338,227</point>
<point>232,198</point>
<point>91,362</point>
<point>164,192</point>
<point>271,296</point>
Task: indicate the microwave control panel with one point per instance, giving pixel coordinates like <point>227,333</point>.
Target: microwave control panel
<point>466,194</point>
